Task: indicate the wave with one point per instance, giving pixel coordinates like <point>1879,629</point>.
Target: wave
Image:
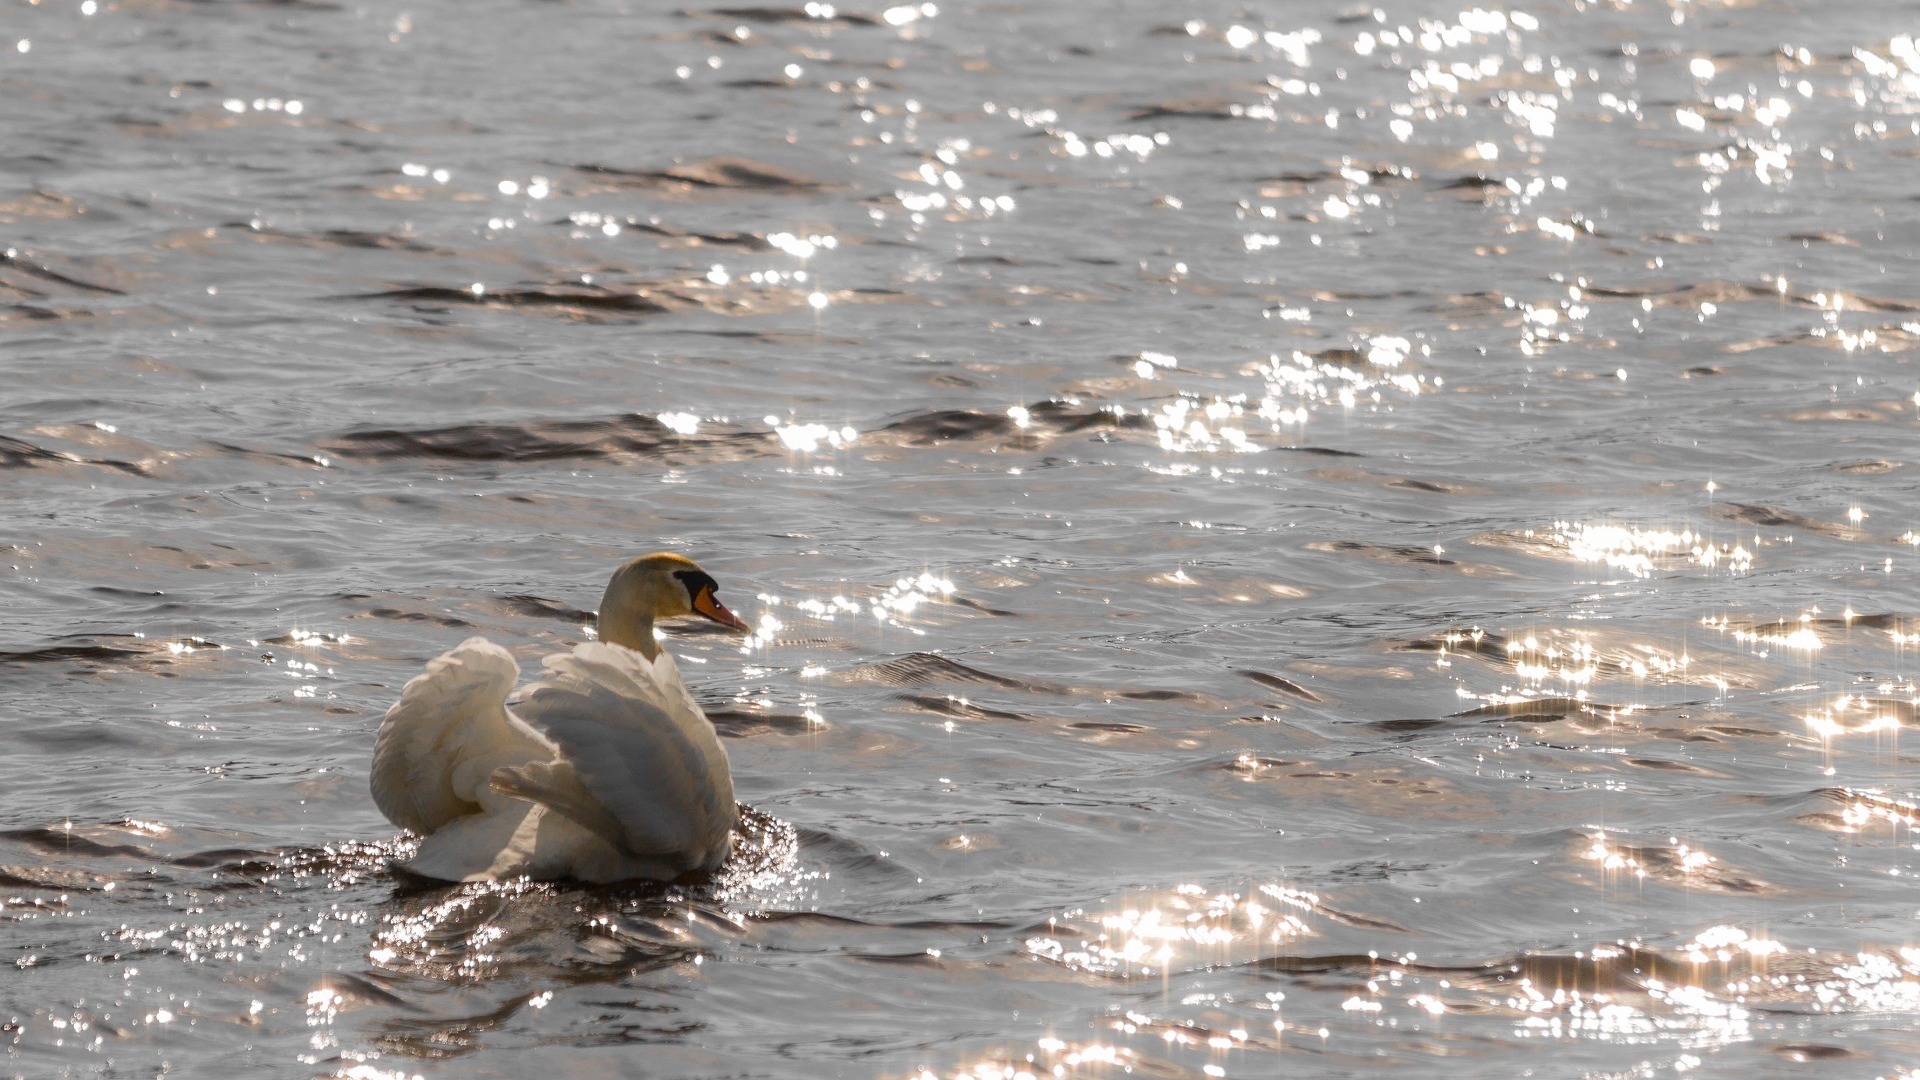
<point>14,260</point>
<point>1275,682</point>
<point>713,174</point>
<point>920,668</point>
<point>576,299</point>
<point>640,435</point>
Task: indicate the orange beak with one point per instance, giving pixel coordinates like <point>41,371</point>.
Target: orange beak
<point>709,605</point>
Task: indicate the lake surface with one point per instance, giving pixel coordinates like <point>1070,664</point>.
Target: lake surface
<point>1292,542</point>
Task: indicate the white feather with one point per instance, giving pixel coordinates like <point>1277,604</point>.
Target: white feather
<point>604,770</point>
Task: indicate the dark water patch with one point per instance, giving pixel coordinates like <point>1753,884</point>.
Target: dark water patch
<point>814,17</point>
<point>948,926</point>
<point>1692,295</point>
<point>760,84</point>
<point>451,622</point>
<point>306,461</point>
<point>580,300</point>
<point>447,1038</point>
<point>1109,726</point>
<point>1544,710</point>
<point>920,669</point>
<point>542,440</point>
<point>1159,695</point>
<point>1773,517</point>
<point>20,454</point>
<point>693,238</point>
<point>234,859</point>
<point>1617,969</point>
<point>54,654</point>
<point>1537,709</point>
<point>714,174</point>
<point>848,855</point>
<point>961,708</point>
<point>37,313</point>
<point>1673,294</point>
<point>1341,357</point>
<point>1412,725</point>
<point>1473,305</point>
<point>52,879</point>
<point>41,203</point>
<point>126,594</point>
<point>1475,182</point>
<point>360,989</point>
<point>1065,417</point>
<point>1195,109</point>
<point>1320,451</point>
<point>539,607</point>
<point>1769,341</point>
<point>1802,1053</point>
<point>745,723</point>
<point>1359,296</point>
<point>975,605</point>
<point>1668,765</point>
<point>1823,238</point>
<point>1415,556</point>
<point>17,261</point>
<point>1855,302</point>
<point>1298,184</point>
<point>914,958</point>
<point>52,840</point>
<point>948,425</point>
<point>355,239</point>
<point>988,260</point>
<point>1275,682</point>
<point>1476,641</point>
<point>1677,864</point>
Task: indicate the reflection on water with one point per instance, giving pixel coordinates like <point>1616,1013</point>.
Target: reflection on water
<point>1293,541</point>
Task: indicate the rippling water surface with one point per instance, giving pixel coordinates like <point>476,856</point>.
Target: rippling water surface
<point>1284,542</point>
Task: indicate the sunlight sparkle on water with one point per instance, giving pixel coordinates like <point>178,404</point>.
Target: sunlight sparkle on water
<point>1191,926</point>
<point>679,422</point>
<point>1641,551</point>
<point>808,438</point>
<point>1182,426</point>
<point>1802,637</point>
<point>1852,715</point>
<point>906,594</point>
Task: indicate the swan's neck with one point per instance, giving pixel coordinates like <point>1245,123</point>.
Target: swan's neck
<point>625,620</point>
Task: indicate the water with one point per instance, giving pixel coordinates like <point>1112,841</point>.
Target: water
<point>1283,545</point>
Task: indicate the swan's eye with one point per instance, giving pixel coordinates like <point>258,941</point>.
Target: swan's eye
<point>696,581</point>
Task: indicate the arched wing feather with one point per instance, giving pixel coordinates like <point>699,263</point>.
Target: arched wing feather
<point>641,766</point>
<point>446,735</point>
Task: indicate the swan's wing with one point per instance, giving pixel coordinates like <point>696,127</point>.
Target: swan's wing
<point>638,762</point>
<point>448,732</point>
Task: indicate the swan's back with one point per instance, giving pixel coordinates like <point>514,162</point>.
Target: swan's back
<point>604,770</point>
<point>638,763</point>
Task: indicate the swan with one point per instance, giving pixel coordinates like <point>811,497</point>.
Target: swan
<point>604,770</point>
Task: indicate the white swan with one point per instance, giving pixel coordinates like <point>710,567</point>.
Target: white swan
<point>604,770</point>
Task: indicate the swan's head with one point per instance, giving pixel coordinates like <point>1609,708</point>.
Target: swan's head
<point>667,586</point>
<point>659,586</point>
